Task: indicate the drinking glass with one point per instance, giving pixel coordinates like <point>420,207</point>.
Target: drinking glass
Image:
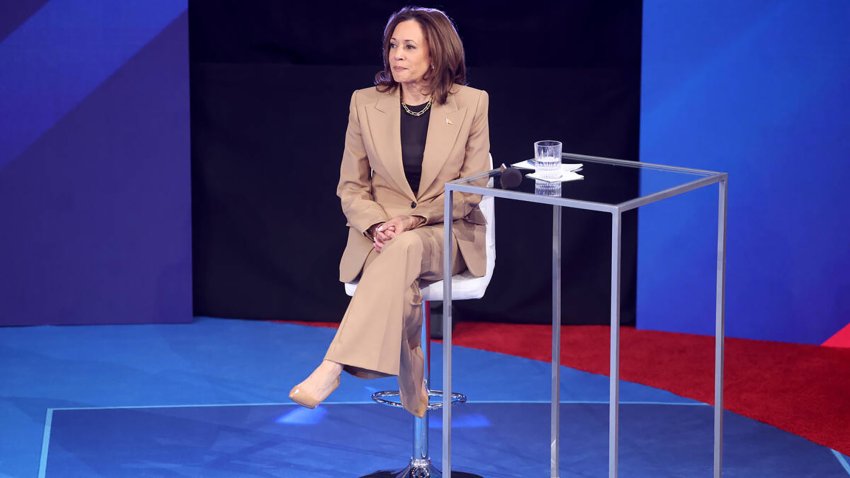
<point>547,159</point>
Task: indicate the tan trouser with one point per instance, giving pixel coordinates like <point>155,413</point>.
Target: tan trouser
<point>380,332</point>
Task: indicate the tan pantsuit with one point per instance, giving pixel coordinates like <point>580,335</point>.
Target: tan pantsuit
<point>379,333</point>
<point>378,341</point>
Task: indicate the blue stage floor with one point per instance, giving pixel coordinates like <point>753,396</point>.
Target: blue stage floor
<point>208,399</point>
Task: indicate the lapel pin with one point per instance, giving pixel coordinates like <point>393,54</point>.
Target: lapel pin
<point>448,121</point>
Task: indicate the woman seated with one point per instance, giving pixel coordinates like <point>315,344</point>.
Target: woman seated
<point>416,129</point>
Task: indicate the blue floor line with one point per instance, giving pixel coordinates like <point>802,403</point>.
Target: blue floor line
<point>493,440</point>
<point>592,402</point>
<point>194,405</point>
<point>842,460</point>
<point>363,402</point>
<point>45,444</point>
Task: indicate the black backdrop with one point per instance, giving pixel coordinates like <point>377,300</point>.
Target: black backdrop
<point>270,87</point>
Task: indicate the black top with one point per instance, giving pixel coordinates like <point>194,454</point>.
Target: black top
<point>414,131</point>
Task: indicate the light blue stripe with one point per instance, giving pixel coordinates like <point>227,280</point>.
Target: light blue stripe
<point>191,405</point>
<point>45,444</point>
<point>367,402</point>
<point>842,460</point>
<point>591,402</point>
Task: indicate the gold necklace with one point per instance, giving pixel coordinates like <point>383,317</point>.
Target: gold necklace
<point>416,113</point>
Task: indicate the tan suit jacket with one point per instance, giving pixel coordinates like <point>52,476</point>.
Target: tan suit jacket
<point>373,187</point>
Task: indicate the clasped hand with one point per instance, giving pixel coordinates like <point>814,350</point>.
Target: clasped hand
<point>386,231</point>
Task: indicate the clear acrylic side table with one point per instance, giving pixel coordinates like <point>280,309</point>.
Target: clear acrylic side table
<point>659,182</point>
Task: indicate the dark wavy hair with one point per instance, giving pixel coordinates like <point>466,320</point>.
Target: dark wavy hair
<point>446,49</point>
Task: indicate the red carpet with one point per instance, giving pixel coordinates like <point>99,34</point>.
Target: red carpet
<point>803,389</point>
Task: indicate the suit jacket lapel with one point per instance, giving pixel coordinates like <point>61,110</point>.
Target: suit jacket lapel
<point>385,129</point>
<point>443,127</point>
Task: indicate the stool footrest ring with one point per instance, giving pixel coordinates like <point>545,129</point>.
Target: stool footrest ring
<point>392,398</point>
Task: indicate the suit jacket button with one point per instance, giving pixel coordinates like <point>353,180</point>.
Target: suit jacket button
<point>413,204</point>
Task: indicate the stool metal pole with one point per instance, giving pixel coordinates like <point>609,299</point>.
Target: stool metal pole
<point>420,462</point>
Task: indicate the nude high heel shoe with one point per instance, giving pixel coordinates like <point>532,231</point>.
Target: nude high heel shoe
<point>305,399</point>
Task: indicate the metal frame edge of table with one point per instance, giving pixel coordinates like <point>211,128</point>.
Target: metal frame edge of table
<point>709,177</point>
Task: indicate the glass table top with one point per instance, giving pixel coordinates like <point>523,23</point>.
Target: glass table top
<point>608,184</point>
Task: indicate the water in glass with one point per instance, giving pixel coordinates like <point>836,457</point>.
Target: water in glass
<point>547,159</point>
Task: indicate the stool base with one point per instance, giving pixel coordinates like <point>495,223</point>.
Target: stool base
<point>419,469</point>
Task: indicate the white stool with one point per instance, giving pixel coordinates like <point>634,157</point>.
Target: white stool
<point>465,286</point>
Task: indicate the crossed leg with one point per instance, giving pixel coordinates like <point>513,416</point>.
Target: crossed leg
<point>380,332</point>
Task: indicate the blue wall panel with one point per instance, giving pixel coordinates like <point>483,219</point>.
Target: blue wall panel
<point>94,165</point>
<point>761,90</point>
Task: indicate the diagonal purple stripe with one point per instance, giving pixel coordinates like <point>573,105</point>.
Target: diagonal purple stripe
<point>55,59</point>
<point>16,12</point>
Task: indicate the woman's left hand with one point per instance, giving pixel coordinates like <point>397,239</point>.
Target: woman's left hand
<point>380,237</point>
<point>399,224</point>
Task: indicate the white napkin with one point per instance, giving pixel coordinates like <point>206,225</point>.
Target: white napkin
<point>565,176</point>
<point>564,167</point>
